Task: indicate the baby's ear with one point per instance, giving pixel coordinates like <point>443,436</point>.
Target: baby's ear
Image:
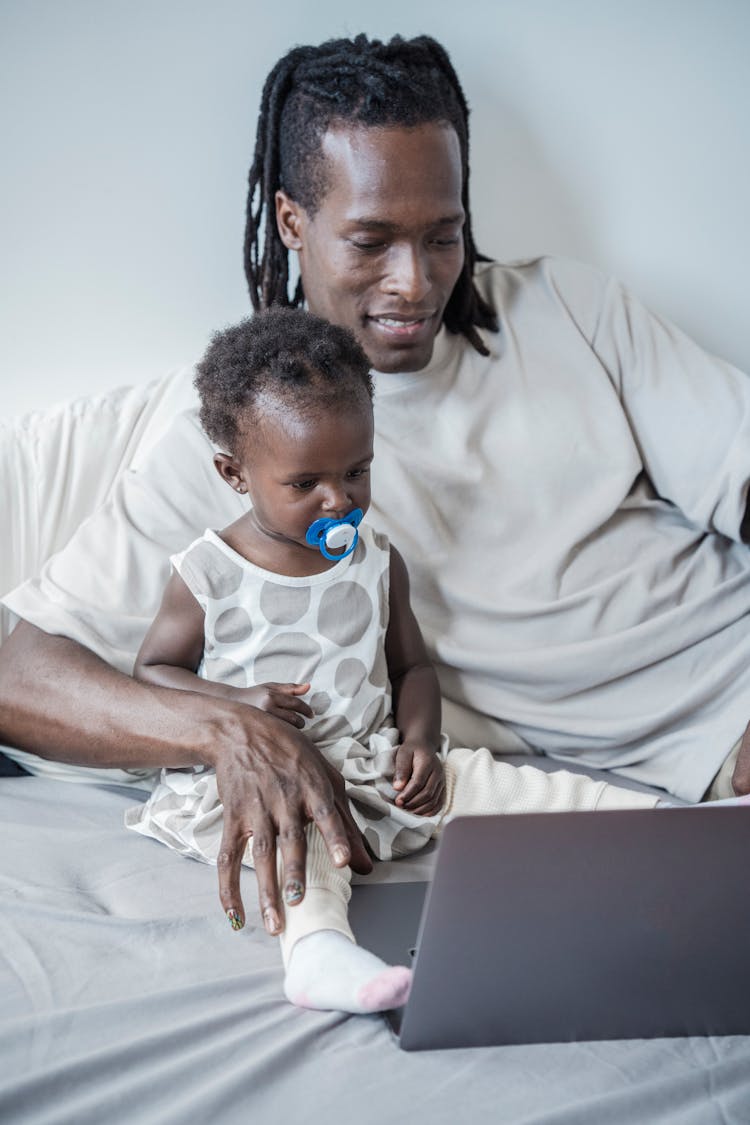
<point>230,471</point>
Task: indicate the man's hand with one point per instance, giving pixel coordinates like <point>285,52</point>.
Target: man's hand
<point>419,778</point>
<point>272,784</point>
<point>741,775</point>
<point>281,700</point>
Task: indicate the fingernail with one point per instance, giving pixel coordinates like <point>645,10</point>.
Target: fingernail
<point>235,921</point>
<point>293,892</point>
<point>339,856</point>
<point>271,919</point>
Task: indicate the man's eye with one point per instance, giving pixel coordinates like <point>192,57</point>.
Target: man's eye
<point>367,247</point>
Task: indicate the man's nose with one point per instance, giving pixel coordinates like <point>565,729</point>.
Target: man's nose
<point>408,274</point>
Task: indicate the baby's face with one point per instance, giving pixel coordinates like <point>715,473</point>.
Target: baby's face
<point>300,467</point>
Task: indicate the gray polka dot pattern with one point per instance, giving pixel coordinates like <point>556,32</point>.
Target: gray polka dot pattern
<point>350,675</point>
<point>372,839</point>
<point>225,671</point>
<point>406,841</point>
<point>287,658</point>
<point>383,602</point>
<point>344,613</point>
<point>358,769</point>
<point>233,625</point>
<point>333,727</point>
<point>375,713</point>
<point>207,570</point>
<point>370,812</point>
<point>320,702</point>
<point>379,672</point>
<point>283,605</point>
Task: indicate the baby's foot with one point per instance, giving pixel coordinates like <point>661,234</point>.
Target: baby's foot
<point>328,972</point>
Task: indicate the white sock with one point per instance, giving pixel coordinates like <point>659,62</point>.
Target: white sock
<point>328,972</point>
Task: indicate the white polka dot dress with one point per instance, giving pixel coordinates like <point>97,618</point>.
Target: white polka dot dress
<point>326,629</point>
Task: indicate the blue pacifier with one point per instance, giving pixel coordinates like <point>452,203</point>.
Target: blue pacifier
<point>335,534</point>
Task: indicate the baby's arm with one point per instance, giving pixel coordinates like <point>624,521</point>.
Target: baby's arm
<point>172,650</point>
<point>416,702</point>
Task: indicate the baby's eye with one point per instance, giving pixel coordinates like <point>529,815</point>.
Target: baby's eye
<point>354,474</point>
<point>304,485</point>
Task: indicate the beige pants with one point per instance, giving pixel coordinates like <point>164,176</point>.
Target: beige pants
<point>721,786</point>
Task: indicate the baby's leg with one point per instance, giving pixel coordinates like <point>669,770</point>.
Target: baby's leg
<point>325,968</point>
<point>478,784</point>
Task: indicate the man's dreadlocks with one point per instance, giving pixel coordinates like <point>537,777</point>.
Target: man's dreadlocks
<point>364,82</point>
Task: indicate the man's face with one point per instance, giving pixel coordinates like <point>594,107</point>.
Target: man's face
<point>384,250</point>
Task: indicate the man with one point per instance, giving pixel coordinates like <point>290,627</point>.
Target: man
<point>575,549</point>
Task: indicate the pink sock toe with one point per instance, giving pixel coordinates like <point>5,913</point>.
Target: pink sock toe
<point>300,1000</point>
<point>389,989</point>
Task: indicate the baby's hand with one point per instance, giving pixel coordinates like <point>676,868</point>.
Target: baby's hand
<point>419,778</point>
<point>281,700</point>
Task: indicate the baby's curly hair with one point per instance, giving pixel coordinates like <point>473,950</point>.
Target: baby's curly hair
<point>287,354</point>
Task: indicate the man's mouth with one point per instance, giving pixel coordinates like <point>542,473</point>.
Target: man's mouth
<point>402,326</point>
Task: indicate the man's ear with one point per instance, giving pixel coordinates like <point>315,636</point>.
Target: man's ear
<point>229,470</point>
<point>289,221</point>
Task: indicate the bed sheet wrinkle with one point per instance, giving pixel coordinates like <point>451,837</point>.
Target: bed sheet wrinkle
<point>24,984</point>
<point>137,1075</point>
<point>683,1097</point>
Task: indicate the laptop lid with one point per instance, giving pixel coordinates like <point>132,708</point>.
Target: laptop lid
<point>577,926</point>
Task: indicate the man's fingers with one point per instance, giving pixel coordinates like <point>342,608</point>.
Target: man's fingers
<point>293,844</point>
<point>342,837</point>
<point>229,864</point>
<point>264,862</point>
<point>361,860</point>
<point>336,825</point>
<point>334,835</point>
<point>359,857</point>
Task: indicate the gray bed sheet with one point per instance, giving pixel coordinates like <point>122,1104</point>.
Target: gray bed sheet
<point>126,997</point>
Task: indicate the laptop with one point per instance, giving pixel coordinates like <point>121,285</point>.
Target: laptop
<point>552,927</point>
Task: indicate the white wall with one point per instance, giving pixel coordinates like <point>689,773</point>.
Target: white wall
<point>615,132</point>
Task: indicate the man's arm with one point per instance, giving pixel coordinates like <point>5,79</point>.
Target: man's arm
<point>60,701</point>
